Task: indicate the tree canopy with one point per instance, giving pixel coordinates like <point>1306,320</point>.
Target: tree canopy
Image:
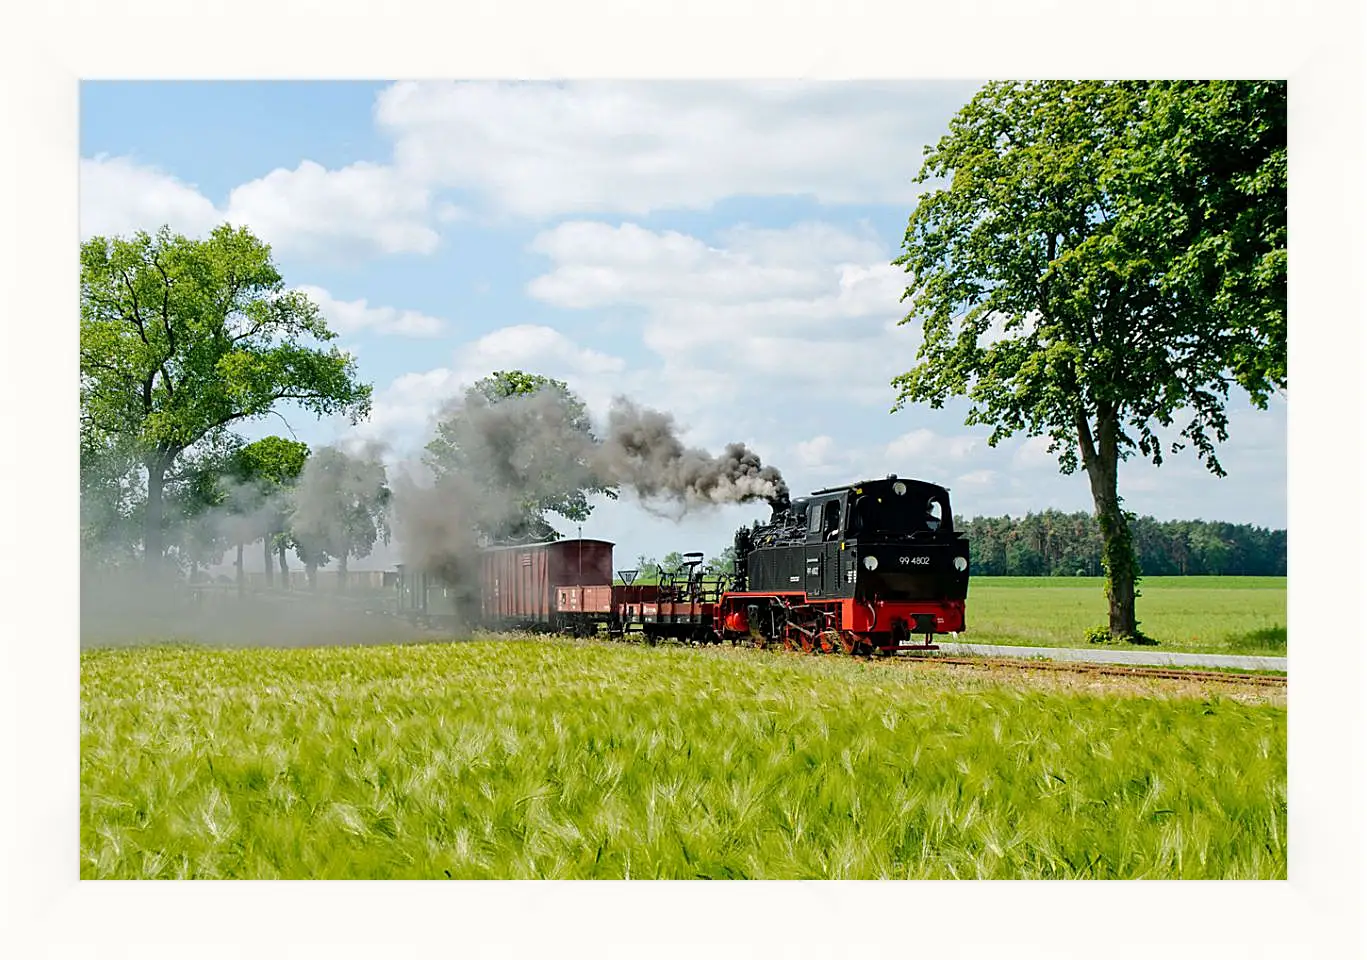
<point>1094,261</point>
<point>515,480</point>
<point>268,472</point>
<point>1053,543</point>
<point>182,338</point>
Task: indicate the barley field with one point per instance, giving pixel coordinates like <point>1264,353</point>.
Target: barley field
<point>558,759</point>
<point>1237,615</point>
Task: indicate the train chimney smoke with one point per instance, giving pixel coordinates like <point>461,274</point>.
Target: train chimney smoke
<point>642,451</point>
<point>490,460</point>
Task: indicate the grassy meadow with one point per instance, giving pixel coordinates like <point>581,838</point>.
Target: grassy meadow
<point>560,759</point>
<point>1236,615</point>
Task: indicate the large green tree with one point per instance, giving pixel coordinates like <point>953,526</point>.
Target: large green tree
<point>184,337</point>
<point>1093,261</point>
<point>514,444</point>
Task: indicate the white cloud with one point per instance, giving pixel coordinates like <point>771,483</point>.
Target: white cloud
<point>977,478</point>
<point>363,208</point>
<point>359,210</point>
<point>782,291</point>
<point>919,453</point>
<point>599,265</point>
<point>119,196</point>
<point>541,149</point>
<point>922,445</point>
<point>546,149</point>
<point>780,282</point>
<point>401,410</point>
<point>1033,454</point>
<point>816,451</point>
<point>349,317</point>
<point>810,309</point>
<point>533,347</point>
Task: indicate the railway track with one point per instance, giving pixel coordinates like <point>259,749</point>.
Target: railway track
<point>1075,666</point>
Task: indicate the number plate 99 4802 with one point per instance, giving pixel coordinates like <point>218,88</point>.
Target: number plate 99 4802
<point>910,561</point>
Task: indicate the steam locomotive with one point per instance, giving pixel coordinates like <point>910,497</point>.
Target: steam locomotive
<point>860,569</point>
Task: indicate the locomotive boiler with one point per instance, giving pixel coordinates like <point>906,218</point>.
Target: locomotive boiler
<point>856,569</point>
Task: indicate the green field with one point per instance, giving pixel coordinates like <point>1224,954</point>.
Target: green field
<point>517,758</point>
<point>1237,615</point>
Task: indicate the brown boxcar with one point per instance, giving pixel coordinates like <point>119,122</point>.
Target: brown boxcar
<point>595,599</point>
<point>518,584</point>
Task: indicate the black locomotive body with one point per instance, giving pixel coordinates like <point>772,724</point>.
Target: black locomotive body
<point>864,565</point>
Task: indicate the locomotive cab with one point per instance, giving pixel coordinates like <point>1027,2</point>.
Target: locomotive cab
<point>901,544</point>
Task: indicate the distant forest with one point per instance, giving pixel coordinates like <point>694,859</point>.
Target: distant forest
<point>1059,544</point>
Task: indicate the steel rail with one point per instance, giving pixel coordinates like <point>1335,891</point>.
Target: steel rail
<point>1111,669</point>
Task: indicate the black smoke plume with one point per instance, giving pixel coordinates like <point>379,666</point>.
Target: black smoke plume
<point>642,451</point>
<point>530,449</point>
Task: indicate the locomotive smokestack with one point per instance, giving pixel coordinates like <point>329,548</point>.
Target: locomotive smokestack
<point>780,503</point>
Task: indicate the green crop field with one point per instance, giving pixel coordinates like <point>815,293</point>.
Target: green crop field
<point>521,758</point>
<point>1239,615</point>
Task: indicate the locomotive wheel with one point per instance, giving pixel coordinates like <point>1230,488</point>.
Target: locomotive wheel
<point>842,642</point>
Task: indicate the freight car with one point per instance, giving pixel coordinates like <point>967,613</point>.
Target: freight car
<point>553,586</point>
<point>859,569</point>
<point>682,605</point>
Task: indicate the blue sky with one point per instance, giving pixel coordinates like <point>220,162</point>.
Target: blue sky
<point>718,251</point>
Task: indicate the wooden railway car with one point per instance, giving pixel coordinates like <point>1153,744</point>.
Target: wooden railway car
<point>552,585</point>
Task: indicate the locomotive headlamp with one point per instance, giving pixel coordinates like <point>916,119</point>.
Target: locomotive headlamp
<point>870,563</point>
<point>899,488</point>
<point>960,564</point>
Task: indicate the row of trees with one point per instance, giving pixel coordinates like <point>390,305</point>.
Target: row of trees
<point>323,506</point>
<point>1054,543</point>
<point>182,341</point>
<point>648,569</point>
<point>1057,544</point>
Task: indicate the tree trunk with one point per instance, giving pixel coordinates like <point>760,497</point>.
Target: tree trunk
<point>341,572</point>
<point>153,546</point>
<point>270,562</point>
<point>1101,460</point>
<point>241,573</point>
<point>311,571</point>
<point>284,567</point>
